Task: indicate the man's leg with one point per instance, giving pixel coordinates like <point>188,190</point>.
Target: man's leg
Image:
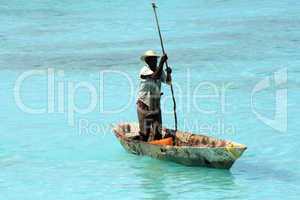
<point>144,124</point>
<point>157,126</point>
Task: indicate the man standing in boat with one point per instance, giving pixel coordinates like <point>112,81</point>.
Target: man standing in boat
<point>148,101</point>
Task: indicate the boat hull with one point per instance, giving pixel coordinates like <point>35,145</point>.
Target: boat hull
<point>221,157</point>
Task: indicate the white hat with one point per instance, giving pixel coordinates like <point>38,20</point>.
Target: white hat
<point>149,53</point>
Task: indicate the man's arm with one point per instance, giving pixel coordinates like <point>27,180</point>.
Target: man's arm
<point>169,77</point>
<point>157,73</point>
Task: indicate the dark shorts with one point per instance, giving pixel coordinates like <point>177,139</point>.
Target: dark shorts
<point>150,122</point>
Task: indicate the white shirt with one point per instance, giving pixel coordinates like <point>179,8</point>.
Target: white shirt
<point>150,89</point>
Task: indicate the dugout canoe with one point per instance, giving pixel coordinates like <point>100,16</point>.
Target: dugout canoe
<point>188,149</point>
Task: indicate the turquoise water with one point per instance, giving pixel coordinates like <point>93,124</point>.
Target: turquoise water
<point>64,154</point>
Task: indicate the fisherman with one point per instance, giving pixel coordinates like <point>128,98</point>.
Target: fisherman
<point>148,100</point>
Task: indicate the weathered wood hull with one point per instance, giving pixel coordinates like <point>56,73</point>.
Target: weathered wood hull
<point>189,149</point>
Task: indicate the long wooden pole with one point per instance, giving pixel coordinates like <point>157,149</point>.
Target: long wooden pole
<point>163,50</point>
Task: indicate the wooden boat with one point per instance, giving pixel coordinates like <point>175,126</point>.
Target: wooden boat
<point>188,149</point>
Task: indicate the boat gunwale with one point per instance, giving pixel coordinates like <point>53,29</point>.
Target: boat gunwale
<point>239,146</point>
